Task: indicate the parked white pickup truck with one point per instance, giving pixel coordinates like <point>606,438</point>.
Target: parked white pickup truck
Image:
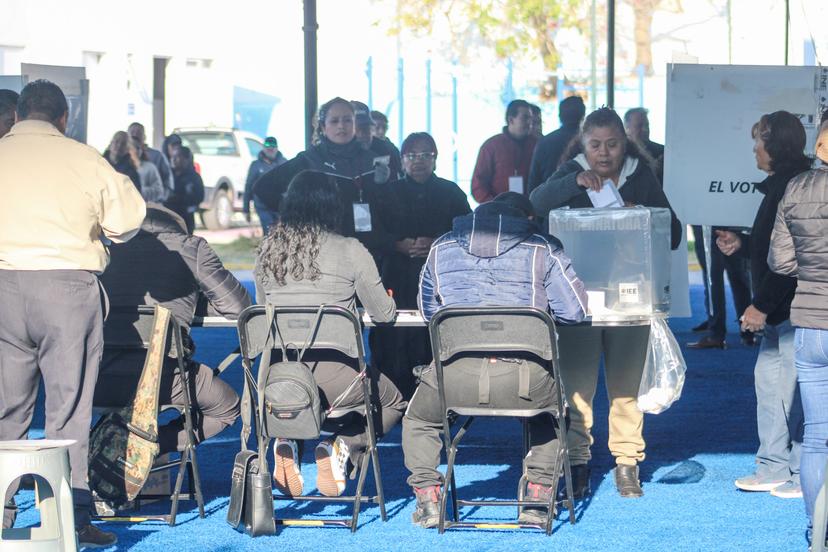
<point>222,157</point>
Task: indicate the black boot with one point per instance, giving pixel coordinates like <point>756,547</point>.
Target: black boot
<point>580,483</point>
<point>427,513</point>
<point>626,481</point>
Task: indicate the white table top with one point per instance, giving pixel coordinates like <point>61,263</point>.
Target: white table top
<point>405,319</point>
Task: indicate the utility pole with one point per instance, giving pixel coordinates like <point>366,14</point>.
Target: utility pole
<point>610,53</point>
<point>311,82</point>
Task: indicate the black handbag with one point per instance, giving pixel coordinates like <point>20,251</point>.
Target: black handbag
<point>251,491</point>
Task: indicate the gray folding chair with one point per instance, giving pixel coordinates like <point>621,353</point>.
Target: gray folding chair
<point>498,331</point>
<point>129,329</point>
<point>337,329</point>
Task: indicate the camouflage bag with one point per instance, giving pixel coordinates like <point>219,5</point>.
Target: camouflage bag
<point>124,443</point>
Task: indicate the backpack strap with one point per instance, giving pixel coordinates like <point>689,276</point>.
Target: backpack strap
<point>311,333</point>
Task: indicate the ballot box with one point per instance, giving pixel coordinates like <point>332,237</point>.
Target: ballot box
<point>622,255</point>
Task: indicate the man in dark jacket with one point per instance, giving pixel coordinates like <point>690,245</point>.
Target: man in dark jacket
<point>504,159</point>
<point>188,192</point>
<point>165,265</point>
<point>493,256</point>
<point>269,158</point>
<point>550,148</point>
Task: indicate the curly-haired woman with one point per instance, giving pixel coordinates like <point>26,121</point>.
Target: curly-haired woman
<point>306,261</point>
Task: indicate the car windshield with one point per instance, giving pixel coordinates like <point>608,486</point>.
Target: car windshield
<point>210,143</point>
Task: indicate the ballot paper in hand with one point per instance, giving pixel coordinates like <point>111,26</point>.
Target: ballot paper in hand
<point>608,196</point>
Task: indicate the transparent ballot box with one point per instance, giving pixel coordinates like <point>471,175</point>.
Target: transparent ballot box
<point>622,255</point>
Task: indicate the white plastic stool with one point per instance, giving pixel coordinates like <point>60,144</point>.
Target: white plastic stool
<point>48,459</point>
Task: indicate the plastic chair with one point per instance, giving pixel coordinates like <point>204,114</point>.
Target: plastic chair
<point>130,329</point>
<point>498,331</point>
<point>338,329</point>
<point>48,460</point>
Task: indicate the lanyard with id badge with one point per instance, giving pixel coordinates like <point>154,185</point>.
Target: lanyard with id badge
<point>362,210</point>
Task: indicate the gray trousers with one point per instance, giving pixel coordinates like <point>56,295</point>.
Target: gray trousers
<point>216,404</point>
<point>423,421</point>
<point>51,327</point>
<point>779,416</point>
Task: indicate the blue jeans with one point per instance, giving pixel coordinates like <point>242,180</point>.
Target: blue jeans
<point>267,217</point>
<point>778,406</point>
<point>811,348</point>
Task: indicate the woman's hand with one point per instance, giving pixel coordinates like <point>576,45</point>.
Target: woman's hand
<point>590,180</point>
<point>404,246</point>
<point>753,320</point>
<point>728,242</point>
<point>422,246</point>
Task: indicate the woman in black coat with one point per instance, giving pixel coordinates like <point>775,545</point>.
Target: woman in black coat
<point>425,207</point>
<point>779,143</point>
<point>362,187</point>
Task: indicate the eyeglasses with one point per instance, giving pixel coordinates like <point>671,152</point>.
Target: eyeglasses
<point>424,156</point>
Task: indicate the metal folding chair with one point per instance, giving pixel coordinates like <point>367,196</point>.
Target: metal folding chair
<point>498,331</point>
<point>129,329</point>
<point>338,329</point>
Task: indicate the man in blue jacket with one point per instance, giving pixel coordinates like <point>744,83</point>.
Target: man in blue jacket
<point>493,256</point>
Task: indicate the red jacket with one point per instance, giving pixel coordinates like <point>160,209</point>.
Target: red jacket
<point>500,157</point>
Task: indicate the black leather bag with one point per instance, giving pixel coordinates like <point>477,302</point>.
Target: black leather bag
<point>251,491</point>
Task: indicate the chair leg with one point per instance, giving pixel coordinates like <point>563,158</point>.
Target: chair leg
<point>560,421</point>
<point>363,470</point>
<point>179,480</point>
<point>368,398</point>
<point>196,482</point>
<point>378,482</point>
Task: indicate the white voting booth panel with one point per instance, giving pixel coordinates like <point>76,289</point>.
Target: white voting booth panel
<point>709,167</point>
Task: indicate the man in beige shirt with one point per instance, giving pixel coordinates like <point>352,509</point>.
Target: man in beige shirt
<point>62,202</point>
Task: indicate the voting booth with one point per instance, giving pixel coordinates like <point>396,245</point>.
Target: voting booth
<point>622,255</point>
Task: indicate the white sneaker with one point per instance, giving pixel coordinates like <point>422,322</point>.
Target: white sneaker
<point>286,472</point>
<point>331,466</point>
<point>789,489</point>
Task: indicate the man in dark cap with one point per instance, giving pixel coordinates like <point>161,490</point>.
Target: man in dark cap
<point>494,244</point>
<point>269,158</point>
<point>550,148</point>
<point>387,154</point>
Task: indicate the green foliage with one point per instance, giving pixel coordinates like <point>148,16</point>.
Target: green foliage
<point>509,27</point>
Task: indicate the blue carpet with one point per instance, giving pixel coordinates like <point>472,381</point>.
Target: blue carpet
<point>694,452</point>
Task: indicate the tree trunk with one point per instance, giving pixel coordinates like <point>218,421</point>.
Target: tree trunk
<point>549,55</point>
<point>644,10</point>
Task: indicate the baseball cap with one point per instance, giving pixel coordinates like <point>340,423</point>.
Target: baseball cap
<point>362,115</point>
<point>271,142</point>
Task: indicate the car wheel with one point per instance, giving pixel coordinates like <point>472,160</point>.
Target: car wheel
<point>218,217</point>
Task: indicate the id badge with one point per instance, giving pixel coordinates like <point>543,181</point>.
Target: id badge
<point>516,184</point>
<point>362,217</point>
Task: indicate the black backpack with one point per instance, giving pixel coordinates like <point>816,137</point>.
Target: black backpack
<point>289,403</point>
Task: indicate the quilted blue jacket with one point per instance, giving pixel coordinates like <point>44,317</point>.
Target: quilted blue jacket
<point>494,256</point>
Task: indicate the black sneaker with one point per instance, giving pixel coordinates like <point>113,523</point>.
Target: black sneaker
<point>90,536</point>
<point>580,483</point>
<point>427,513</point>
<point>536,515</point>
